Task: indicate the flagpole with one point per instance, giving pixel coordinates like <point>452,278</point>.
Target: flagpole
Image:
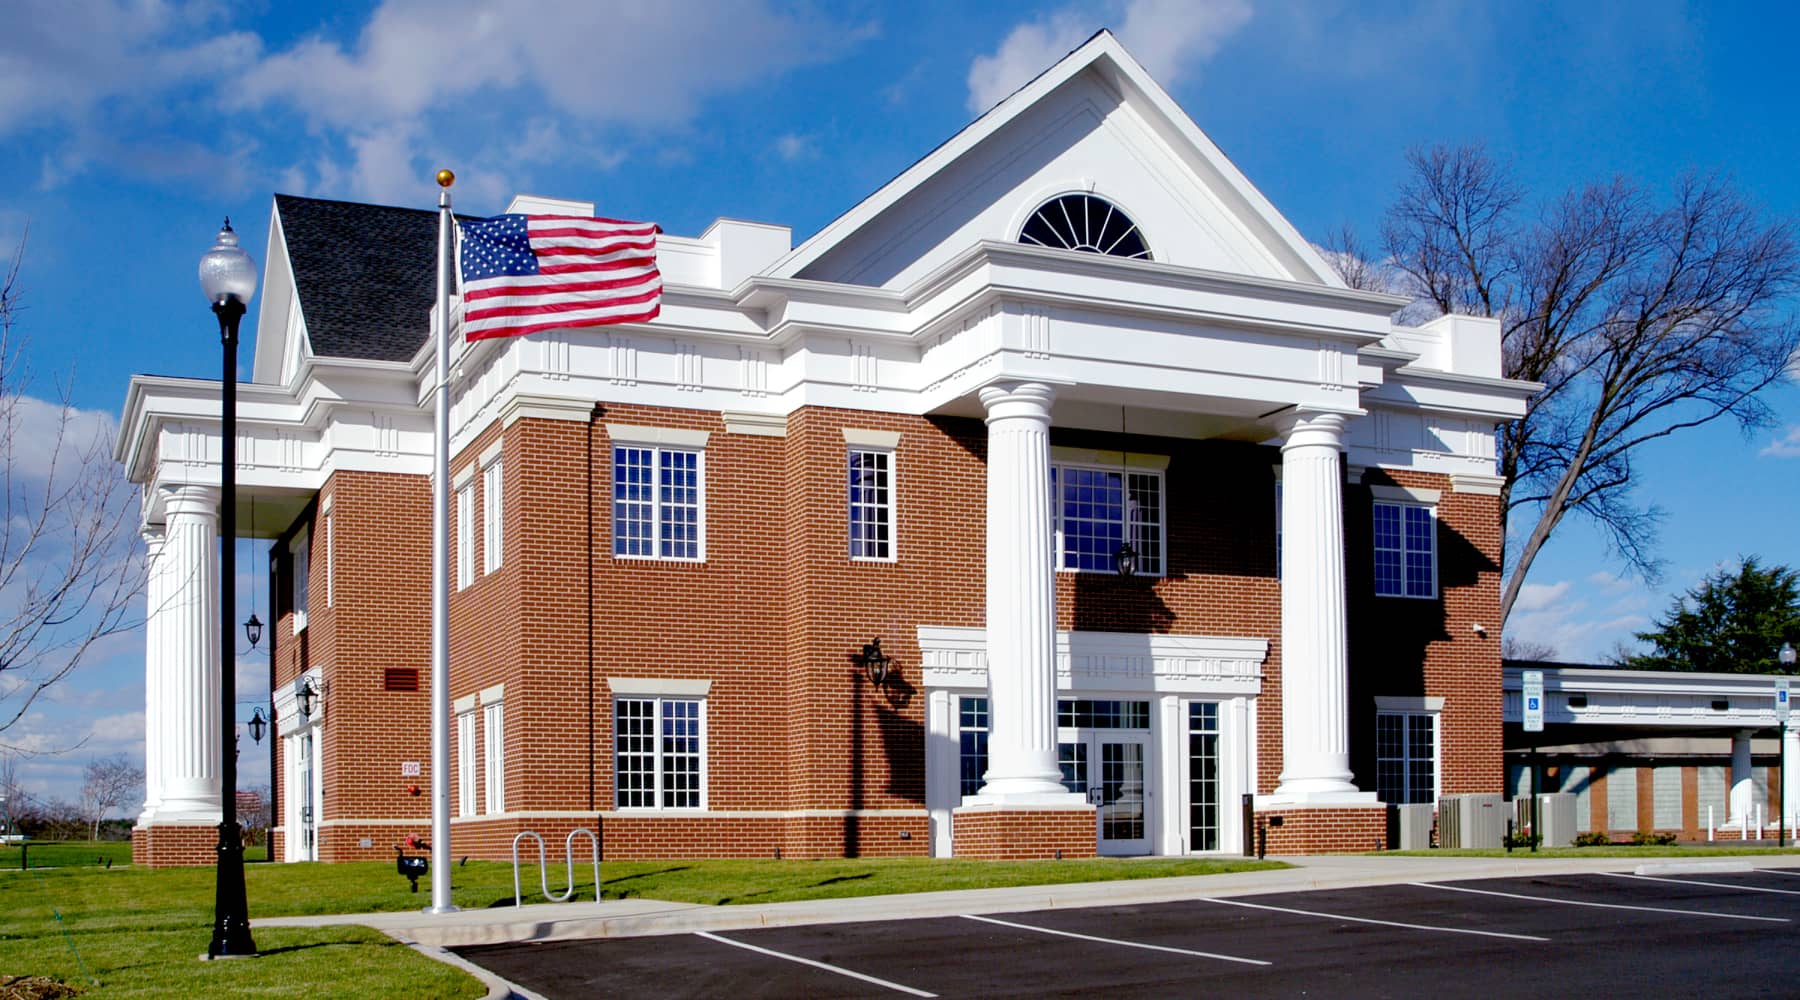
<point>440,570</point>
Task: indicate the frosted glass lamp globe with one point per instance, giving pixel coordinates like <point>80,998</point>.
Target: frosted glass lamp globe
<point>226,270</point>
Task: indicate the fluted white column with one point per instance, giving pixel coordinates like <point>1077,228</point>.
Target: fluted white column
<point>189,709</point>
<point>155,595</point>
<point>1742,800</point>
<point>1315,669</point>
<point>1021,598</point>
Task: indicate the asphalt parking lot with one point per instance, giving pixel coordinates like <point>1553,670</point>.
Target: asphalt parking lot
<point>1555,936</point>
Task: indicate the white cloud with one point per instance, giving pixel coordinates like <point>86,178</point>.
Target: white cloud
<point>1169,37</point>
<point>1584,621</point>
<point>792,147</point>
<point>1537,596</point>
<point>1785,446</point>
<point>42,435</point>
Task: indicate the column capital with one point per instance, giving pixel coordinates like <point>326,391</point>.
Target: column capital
<point>1304,427</point>
<point>154,535</point>
<point>191,499</point>
<point>1011,399</point>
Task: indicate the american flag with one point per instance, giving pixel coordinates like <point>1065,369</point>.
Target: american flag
<point>525,273</point>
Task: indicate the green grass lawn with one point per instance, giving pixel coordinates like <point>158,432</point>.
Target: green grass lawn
<point>80,853</point>
<point>138,931</point>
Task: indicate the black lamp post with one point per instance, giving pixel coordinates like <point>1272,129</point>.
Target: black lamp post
<point>228,277</point>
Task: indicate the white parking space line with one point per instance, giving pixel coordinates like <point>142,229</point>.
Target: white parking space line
<point>1127,944</point>
<point>1383,923</point>
<point>1715,885</point>
<point>1779,871</point>
<point>817,965</point>
<point>1602,906</point>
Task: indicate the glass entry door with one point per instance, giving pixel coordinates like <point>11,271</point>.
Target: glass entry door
<point>302,797</point>
<point>1110,767</point>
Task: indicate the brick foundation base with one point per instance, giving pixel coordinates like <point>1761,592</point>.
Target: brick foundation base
<point>1022,834</point>
<point>172,846</point>
<point>1324,829</point>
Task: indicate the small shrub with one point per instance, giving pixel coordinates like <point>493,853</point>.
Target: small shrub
<point>1592,838</point>
<point>1645,837</point>
<point>1523,840</point>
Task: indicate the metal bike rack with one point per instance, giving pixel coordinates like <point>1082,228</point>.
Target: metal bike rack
<point>544,868</point>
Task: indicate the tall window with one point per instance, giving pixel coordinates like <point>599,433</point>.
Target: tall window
<point>465,535</point>
<point>493,731</point>
<point>493,541</point>
<point>657,502</point>
<point>1203,775</point>
<point>465,764</point>
<point>658,752</point>
<point>1098,509</point>
<point>1406,757</point>
<point>302,549</point>
<point>972,734</point>
<point>871,504</point>
<point>1405,564</point>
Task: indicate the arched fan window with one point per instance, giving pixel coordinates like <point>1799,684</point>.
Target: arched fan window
<point>1084,222</point>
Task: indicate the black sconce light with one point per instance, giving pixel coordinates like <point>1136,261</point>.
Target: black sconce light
<point>253,630</point>
<point>309,697</point>
<point>259,725</point>
<point>1125,560</point>
<point>877,663</point>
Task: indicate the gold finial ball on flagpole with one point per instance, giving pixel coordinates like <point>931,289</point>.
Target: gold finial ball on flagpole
<point>445,178</point>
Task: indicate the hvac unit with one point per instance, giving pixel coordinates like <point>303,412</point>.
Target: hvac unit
<point>1409,827</point>
<point>1556,818</point>
<point>1471,820</point>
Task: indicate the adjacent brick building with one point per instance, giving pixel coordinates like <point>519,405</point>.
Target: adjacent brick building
<point>1072,338</point>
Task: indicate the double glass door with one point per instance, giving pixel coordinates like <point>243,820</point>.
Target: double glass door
<point>1103,748</point>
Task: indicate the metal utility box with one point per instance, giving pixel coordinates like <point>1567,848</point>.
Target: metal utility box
<point>1409,826</point>
<point>1556,818</point>
<point>1476,820</point>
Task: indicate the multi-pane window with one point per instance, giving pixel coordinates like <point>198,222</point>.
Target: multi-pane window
<point>871,504</point>
<point>1203,775</point>
<point>1083,713</point>
<point>972,735</point>
<point>493,731</point>
<point>1404,563</point>
<point>658,753</point>
<point>656,502</point>
<point>302,550</point>
<point>493,541</point>
<point>1097,510</point>
<point>465,764</point>
<point>465,535</point>
<point>1406,756</point>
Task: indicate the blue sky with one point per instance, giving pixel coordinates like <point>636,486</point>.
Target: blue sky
<point>128,129</point>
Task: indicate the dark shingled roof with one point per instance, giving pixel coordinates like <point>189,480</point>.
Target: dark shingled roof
<point>366,275</point>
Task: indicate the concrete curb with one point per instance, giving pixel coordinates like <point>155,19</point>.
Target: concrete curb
<point>497,988</point>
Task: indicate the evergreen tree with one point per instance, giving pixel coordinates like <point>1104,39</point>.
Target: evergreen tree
<point>1734,623</point>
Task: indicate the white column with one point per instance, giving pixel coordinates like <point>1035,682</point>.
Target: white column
<point>155,596</point>
<point>1790,782</point>
<point>1315,675</point>
<point>1021,599</point>
<point>189,707</point>
<point>1742,799</point>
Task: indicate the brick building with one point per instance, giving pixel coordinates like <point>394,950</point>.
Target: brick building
<point>1073,335</point>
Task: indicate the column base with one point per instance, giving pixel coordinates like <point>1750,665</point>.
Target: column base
<point>176,845</point>
<point>1321,828</point>
<point>1316,797</point>
<point>1006,831</point>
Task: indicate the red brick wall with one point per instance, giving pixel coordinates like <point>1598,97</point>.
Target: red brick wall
<point>1321,830</point>
<point>1007,835</point>
<point>175,846</point>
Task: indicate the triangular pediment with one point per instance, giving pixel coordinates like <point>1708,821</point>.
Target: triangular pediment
<point>1096,123</point>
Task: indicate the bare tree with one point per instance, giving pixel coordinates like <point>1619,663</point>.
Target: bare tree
<point>105,784</point>
<point>1513,648</point>
<point>1640,318</point>
<point>67,574</point>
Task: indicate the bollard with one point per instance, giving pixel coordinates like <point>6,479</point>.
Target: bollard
<point>1262,841</point>
<point>1709,824</point>
<point>1509,836</point>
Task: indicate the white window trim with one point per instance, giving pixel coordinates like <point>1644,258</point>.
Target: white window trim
<point>493,515</point>
<point>1146,465</point>
<point>892,506</point>
<point>301,550</point>
<point>494,756</point>
<point>1430,508</point>
<point>465,535</point>
<point>656,508</point>
<point>1403,707</point>
<point>656,794</point>
<point>466,801</point>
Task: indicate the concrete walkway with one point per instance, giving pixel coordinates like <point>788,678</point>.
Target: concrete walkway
<point>643,917</point>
